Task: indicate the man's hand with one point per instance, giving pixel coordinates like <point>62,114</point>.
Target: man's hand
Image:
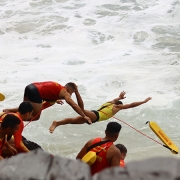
<point>59,102</point>
<point>122,95</point>
<point>11,149</point>
<point>88,119</point>
<point>147,99</point>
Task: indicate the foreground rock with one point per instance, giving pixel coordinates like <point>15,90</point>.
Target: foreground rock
<point>158,168</point>
<point>38,165</point>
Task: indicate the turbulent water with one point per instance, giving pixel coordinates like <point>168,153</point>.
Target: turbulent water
<point>105,47</point>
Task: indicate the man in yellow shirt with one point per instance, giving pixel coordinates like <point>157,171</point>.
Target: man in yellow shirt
<point>106,111</point>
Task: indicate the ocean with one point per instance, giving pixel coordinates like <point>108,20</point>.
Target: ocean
<point>105,47</point>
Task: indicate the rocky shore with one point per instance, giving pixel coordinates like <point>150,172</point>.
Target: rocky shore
<point>38,165</point>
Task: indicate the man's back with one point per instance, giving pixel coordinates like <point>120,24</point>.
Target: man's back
<point>108,156</point>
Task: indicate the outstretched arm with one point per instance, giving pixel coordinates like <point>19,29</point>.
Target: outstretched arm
<point>83,151</point>
<point>134,104</point>
<point>78,97</point>
<point>69,100</point>
<point>121,96</point>
<point>47,104</point>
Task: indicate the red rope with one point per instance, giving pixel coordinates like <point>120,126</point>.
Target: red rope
<point>37,115</point>
<point>133,128</point>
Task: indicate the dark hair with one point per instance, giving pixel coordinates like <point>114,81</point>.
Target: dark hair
<point>70,85</point>
<point>10,121</point>
<point>113,128</point>
<point>122,148</point>
<point>25,107</point>
<point>118,102</point>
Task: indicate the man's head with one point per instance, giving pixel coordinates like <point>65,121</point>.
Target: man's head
<point>123,150</point>
<point>10,123</point>
<point>26,109</point>
<point>112,130</point>
<point>70,87</point>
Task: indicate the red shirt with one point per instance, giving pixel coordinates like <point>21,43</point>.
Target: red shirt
<point>49,90</point>
<point>101,161</point>
<point>18,137</point>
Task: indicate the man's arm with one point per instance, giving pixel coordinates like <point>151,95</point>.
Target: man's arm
<point>115,161</point>
<point>83,151</point>
<point>79,99</point>
<point>19,143</point>
<point>11,149</point>
<point>69,100</point>
<point>1,158</point>
<point>132,105</point>
<point>121,96</point>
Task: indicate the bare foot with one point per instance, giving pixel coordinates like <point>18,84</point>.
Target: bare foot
<point>53,127</point>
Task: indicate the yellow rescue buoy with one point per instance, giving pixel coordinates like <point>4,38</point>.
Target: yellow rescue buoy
<point>163,137</point>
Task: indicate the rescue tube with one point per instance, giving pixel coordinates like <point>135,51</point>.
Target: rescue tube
<point>163,137</point>
<point>89,157</point>
<point>2,97</point>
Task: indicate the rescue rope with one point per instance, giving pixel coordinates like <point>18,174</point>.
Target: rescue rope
<point>44,107</point>
<point>133,128</point>
<point>141,132</point>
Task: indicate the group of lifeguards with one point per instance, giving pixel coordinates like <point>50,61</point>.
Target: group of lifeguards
<point>41,95</point>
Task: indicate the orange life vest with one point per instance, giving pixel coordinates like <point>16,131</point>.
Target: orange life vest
<point>101,161</point>
<point>122,163</point>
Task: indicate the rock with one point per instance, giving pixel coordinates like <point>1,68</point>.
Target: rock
<point>159,168</point>
<point>38,165</point>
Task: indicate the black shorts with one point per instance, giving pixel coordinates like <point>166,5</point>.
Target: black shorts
<point>31,92</point>
<point>97,115</point>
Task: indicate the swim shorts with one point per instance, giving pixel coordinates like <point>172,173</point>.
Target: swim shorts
<point>97,115</point>
<point>32,93</point>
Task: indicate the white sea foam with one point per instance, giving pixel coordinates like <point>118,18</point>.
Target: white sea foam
<point>105,47</point>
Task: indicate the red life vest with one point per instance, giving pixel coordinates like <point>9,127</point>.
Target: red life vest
<point>122,163</point>
<point>101,161</point>
<point>49,90</point>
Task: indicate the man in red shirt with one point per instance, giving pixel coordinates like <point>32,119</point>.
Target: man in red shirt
<point>123,151</point>
<point>8,126</point>
<point>109,156</point>
<point>44,94</point>
<point>24,113</point>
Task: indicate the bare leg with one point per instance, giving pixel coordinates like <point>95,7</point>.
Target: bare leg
<point>36,111</point>
<point>77,120</point>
